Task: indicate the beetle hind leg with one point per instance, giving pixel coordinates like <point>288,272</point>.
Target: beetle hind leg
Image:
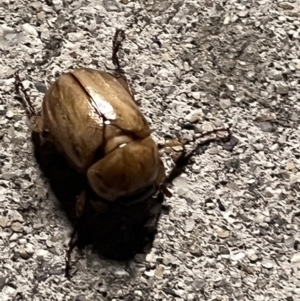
<point>117,43</point>
<point>22,92</point>
<point>118,39</point>
<point>36,121</point>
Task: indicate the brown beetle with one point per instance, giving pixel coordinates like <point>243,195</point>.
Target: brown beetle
<point>92,119</point>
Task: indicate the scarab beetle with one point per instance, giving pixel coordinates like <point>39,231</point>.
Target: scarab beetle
<point>92,119</point>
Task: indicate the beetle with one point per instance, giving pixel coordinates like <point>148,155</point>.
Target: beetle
<point>93,120</point>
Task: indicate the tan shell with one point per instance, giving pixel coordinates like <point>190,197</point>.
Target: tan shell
<point>93,120</point>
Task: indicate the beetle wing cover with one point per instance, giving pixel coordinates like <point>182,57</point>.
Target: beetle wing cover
<point>113,101</point>
<point>77,107</point>
<point>66,112</point>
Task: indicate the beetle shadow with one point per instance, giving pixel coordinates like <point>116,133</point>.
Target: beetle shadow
<point>118,234</point>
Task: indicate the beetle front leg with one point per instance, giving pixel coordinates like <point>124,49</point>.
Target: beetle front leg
<point>36,121</point>
<point>183,159</point>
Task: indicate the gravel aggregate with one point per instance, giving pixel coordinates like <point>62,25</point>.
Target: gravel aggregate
<point>231,229</point>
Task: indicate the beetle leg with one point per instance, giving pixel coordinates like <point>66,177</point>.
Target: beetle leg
<point>117,43</point>
<point>119,37</point>
<point>23,93</point>
<point>183,159</point>
<point>118,72</point>
<point>37,124</point>
<point>71,246</point>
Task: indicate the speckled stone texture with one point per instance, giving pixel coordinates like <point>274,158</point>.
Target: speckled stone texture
<point>231,229</point>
